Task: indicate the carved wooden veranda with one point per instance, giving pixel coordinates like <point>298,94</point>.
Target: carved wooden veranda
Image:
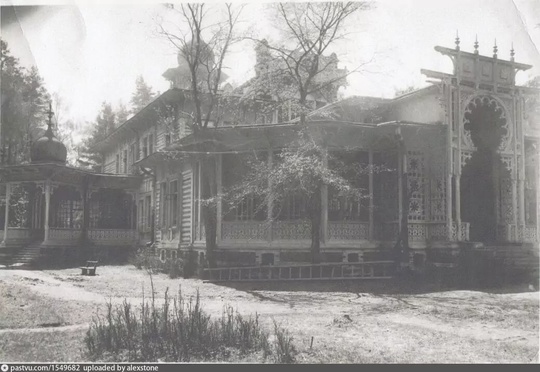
<point>57,205</point>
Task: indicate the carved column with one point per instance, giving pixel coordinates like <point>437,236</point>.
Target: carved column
<point>371,206</point>
<point>6,223</point>
<point>400,181</point>
<point>219,207</point>
<point>270,205</point>
<point>449,155</point>
<point>47,208</point>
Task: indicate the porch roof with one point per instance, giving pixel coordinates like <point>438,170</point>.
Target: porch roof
<point>68,175</point>
<point>330,133</point>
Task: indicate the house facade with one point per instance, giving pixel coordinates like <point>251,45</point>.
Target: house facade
<point>461,159</point>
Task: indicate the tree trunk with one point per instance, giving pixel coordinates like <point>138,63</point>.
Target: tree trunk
<point>209,210</point>
<point>315,216</point>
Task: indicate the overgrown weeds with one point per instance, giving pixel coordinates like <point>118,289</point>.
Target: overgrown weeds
<point>181,331</point>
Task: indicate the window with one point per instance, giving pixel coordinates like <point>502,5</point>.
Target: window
<point>117,163</point>
<point>293,207</point>
<point>125,160</point>
<point>164,204</point>
<point>133,155</point>
<point>145,147</point>
<point>150,144</point>
<point>167,139</point>
<point>174,202</point>
<point>251,208</point>
<point>147,206</point>
<point>141,214</point>
<point>351,165</point>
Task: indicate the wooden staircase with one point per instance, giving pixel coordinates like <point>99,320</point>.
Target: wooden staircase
<point>518,259</point>
<point>23,256</point>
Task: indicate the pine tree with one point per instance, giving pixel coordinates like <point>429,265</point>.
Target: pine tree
<point>103,126</point>
<point>142,96</point>
<point>122,114</point>
<point>24,102</point>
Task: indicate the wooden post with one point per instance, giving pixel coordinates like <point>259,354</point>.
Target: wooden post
<point>458,205</point>
<point>47,208</point>
<point>270,205</point>
<point>371,204</point>
<point>6,222</point>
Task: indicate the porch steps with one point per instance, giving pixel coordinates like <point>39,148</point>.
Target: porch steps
<point>518,258</point>
<point>7,252</point>
<point>28,254</point>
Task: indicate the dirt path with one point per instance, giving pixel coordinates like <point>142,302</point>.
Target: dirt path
<point>459,326</point>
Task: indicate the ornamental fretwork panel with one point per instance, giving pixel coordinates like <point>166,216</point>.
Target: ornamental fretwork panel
<point>244,230</point>
<point>416,186</point>
<point>341,230</point>
<point>502,113</point>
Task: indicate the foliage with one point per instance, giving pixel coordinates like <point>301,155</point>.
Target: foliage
<point>205,63</point>
<point>146,259</point>
<point>142,96</point>
<point>403,91</point>
<point>24,104</point>
<point>299,169</point>
<point>180,331</point>
<point>104,125</point>
<point>295,70</point>
<point>122,114</point>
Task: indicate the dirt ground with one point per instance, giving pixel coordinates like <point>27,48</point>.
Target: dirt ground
<point>44,314</point>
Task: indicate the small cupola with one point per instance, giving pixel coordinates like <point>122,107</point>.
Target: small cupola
<point>48,149</point>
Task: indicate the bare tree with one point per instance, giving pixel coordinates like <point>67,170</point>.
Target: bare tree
<point>297,70</point>
<point>297,67</point>
<point>205,61</point>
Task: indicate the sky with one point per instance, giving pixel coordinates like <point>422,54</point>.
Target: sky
<point>92,51</point>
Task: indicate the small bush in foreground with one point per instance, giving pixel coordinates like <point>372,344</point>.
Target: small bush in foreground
<point>180,331</point>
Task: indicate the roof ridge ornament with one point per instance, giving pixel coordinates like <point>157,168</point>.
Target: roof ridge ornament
<point>457,40</point>
<point>476,45</point>
<point>50,113</point>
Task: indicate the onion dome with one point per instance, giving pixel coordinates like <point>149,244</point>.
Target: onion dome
<point>48,149</point>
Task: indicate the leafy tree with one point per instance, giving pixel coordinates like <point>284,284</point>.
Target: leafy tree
<point>205,63</point>
<point>24,103</point>
<point>299,169</point>
<point>295,71</point>
<point>103,126</point>
<point>142,96</point>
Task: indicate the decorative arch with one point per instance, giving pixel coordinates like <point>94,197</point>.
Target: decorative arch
<point>500,114</point>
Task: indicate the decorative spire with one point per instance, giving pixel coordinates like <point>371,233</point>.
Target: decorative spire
<point>495,49</point>
<point>50,114</point>
<point>476,45</point>
<point>457,40</point>
<point>512,54</point>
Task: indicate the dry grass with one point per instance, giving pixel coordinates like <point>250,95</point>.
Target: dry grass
<point>347,327</point>
<point>21,307</point>
<point>52,346</point>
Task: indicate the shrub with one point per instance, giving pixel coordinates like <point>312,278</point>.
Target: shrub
<point>180,331</point>
<point>190,264</point>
